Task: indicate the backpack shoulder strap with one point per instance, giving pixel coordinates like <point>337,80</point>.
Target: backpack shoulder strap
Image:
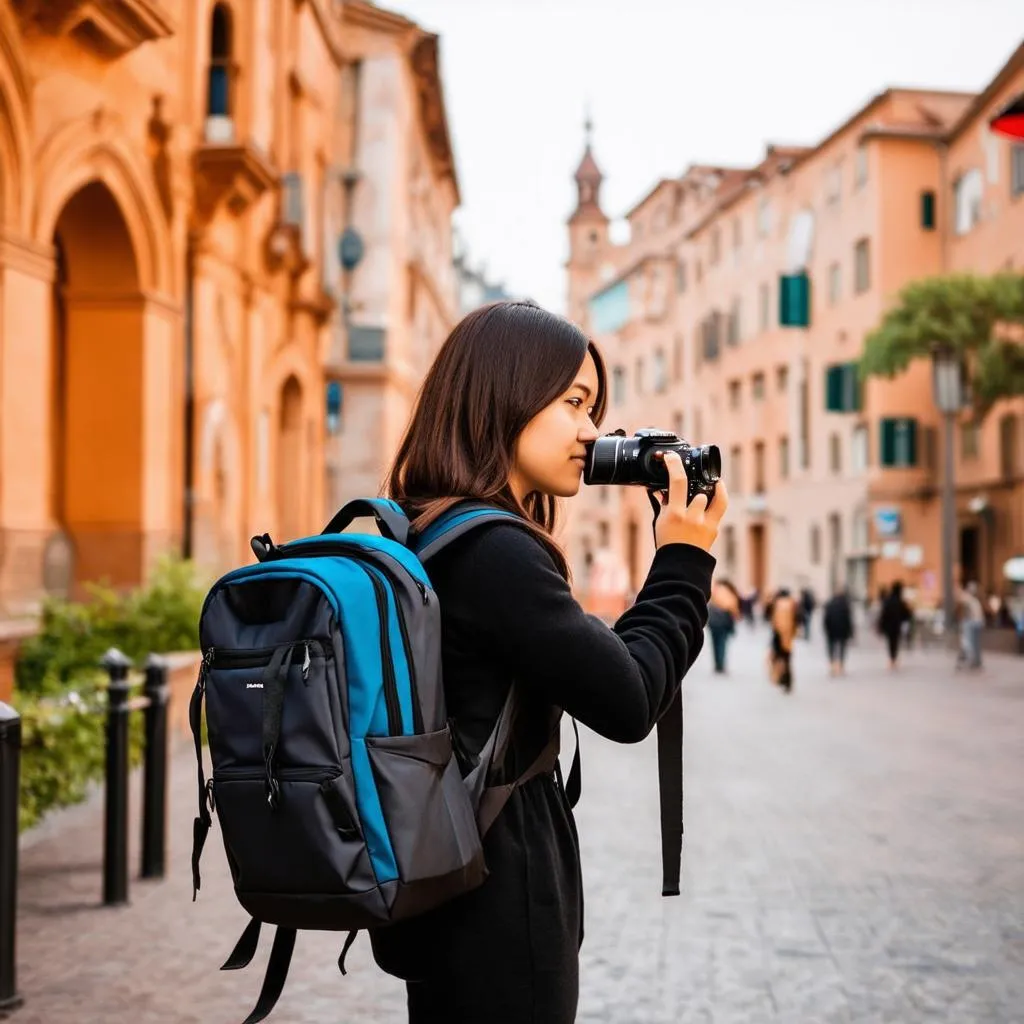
<point>454,523</point>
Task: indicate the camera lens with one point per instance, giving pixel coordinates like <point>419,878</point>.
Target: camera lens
<point>709,464</point>
<point>604,460</point>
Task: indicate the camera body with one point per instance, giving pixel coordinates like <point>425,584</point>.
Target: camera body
<point>617,459</point>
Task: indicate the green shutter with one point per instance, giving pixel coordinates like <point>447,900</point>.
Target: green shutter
<point>833,393</point>
<point>851,388</point>
<point>887,442</point>
<point>794,300</point>
<point>911,452</point>
<point>928,211</point>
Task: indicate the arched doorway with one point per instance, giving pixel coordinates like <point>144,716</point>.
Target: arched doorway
<point>290,462</point>
<point>97,429</point>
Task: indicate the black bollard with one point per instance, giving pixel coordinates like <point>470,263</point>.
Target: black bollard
<point>10,767</point>
<point>154,784</point>
<point>115,835</point>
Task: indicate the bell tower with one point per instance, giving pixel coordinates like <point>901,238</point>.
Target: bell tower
<point>588,232</point>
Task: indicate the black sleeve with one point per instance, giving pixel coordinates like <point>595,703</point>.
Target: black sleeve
<point>617,680</point>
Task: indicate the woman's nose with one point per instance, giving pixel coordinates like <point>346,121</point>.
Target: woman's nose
<point>589,433</point>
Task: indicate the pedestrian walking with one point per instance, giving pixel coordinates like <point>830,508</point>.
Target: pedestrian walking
<point>504,416</point>
<point>783,614</point>
<point>837,621</point>
<point>723,614</point>
<point>894,614</point>
<point>808,602</point>
<point>972,621</point>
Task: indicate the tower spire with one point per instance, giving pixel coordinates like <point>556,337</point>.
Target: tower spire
<point>588,175</point>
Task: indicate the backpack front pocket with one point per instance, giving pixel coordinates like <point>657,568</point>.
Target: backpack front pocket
<point>309,841</point>
<point>235,691</point>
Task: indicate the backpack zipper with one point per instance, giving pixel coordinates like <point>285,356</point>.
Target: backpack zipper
<point>394,709</point>
<point>256,657</point>
<point>245,774</point>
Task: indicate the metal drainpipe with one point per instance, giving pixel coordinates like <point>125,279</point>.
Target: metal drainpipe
<point>186,536</point>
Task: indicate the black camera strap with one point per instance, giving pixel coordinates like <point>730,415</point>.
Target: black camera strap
<point>670,771</point>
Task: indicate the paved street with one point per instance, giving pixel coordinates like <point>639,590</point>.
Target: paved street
<point>855,853</point>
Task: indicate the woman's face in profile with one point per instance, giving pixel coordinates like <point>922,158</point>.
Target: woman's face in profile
<point>551,451</point>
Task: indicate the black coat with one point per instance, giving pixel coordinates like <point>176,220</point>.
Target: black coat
<point>838,618</point>
<point>507,953</point>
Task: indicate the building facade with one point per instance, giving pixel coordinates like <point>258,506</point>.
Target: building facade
<point>175,178</point>
<point>735,316</point>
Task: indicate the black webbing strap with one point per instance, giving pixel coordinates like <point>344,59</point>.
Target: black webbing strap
<point>201,825</point>
<point>670,786</point>
<point>349,939</point>
<point>574,783</point>
<point>275,675</point>
<point>277,973</point>
<point>245,948</point>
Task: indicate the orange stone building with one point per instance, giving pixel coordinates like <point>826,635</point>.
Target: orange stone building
<point>736,312</point>
<point>183,362</point>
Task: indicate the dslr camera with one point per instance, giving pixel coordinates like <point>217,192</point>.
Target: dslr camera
<point>617,459</point>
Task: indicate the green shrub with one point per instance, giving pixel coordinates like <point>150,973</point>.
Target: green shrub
<point>60,691</point>
<point>64,746</point>
<point>162,616</point>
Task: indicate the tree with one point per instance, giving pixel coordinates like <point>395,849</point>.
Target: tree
<point>981,318</point>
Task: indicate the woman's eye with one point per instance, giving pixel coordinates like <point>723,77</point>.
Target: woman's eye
<point>575,402</point>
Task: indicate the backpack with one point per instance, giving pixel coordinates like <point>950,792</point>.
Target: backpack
<point>344,798</point>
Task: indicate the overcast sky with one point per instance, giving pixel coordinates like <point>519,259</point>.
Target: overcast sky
<point>668,83</point>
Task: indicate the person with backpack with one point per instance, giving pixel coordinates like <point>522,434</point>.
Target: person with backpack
<point>837,621</point>
<point>505,416</point>
<point>384,712</point>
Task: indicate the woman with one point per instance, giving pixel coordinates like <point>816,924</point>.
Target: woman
<point>838,623</point>
<point>784,616</point>
<point>891,619</point>
<point>723,613</point>
<point>505,415</point>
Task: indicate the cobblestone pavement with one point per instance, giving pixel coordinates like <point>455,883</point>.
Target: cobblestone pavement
<point>855,853</point>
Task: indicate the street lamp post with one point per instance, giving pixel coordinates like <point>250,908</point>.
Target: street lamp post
<point>948,392</point>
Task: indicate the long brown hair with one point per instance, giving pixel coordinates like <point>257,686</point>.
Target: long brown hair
<point>500,366</point>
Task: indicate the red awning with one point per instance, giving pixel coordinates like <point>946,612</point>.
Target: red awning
<point>1010,120</point>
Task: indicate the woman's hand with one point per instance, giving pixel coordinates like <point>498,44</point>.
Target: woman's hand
<point>679,523</point>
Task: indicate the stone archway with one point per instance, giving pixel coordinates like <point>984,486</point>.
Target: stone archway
<point>97,471</point>
<point>291,462</point>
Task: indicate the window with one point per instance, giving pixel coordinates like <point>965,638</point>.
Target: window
<point>737,233</point>
<point>784,458</point>
<point>861,266</point>
<point>835,275</point>
<point>860,168</point>
<point>928,211</point>
<point>967,195</point>
<point>219,99</point>
<point>1017,169</point>
<point>842,388</point>
<point>660,372</point>
<point>735,475</point>
<point>730,547</point>
<point>681,276</point>
<point>716,247</point>
<point>794,300</point>
<point>815,544</point>
<point>678,424</point>
<point>1009,435</point>
<point>711,336</point>
<point>638,374</point>
<point>734,394</point>
<point>805,422</point>
<point>930,446</point>
<point>764,218</point>
<point>757,387</point>
<point>835,453</point>
<point>334,401</point>
<point>618,386</point>
<point>969,437</point>
<point>859,449</point>
<point>733,328</point>
<point>759,487</point>
<point>782,378</point>
<point>602,530</point>
<point>898,442</point>
<point>677,358</point>
<point>764,304</point>
<point>833,185</point>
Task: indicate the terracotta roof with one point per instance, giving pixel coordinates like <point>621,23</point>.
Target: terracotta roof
<point>983,98</point>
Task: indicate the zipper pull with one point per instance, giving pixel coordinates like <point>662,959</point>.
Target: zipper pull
<point>306,661</point>
<point>423,591</point>
<point>204,667</point>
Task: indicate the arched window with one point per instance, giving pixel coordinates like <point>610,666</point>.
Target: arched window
<point>219,95</point>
